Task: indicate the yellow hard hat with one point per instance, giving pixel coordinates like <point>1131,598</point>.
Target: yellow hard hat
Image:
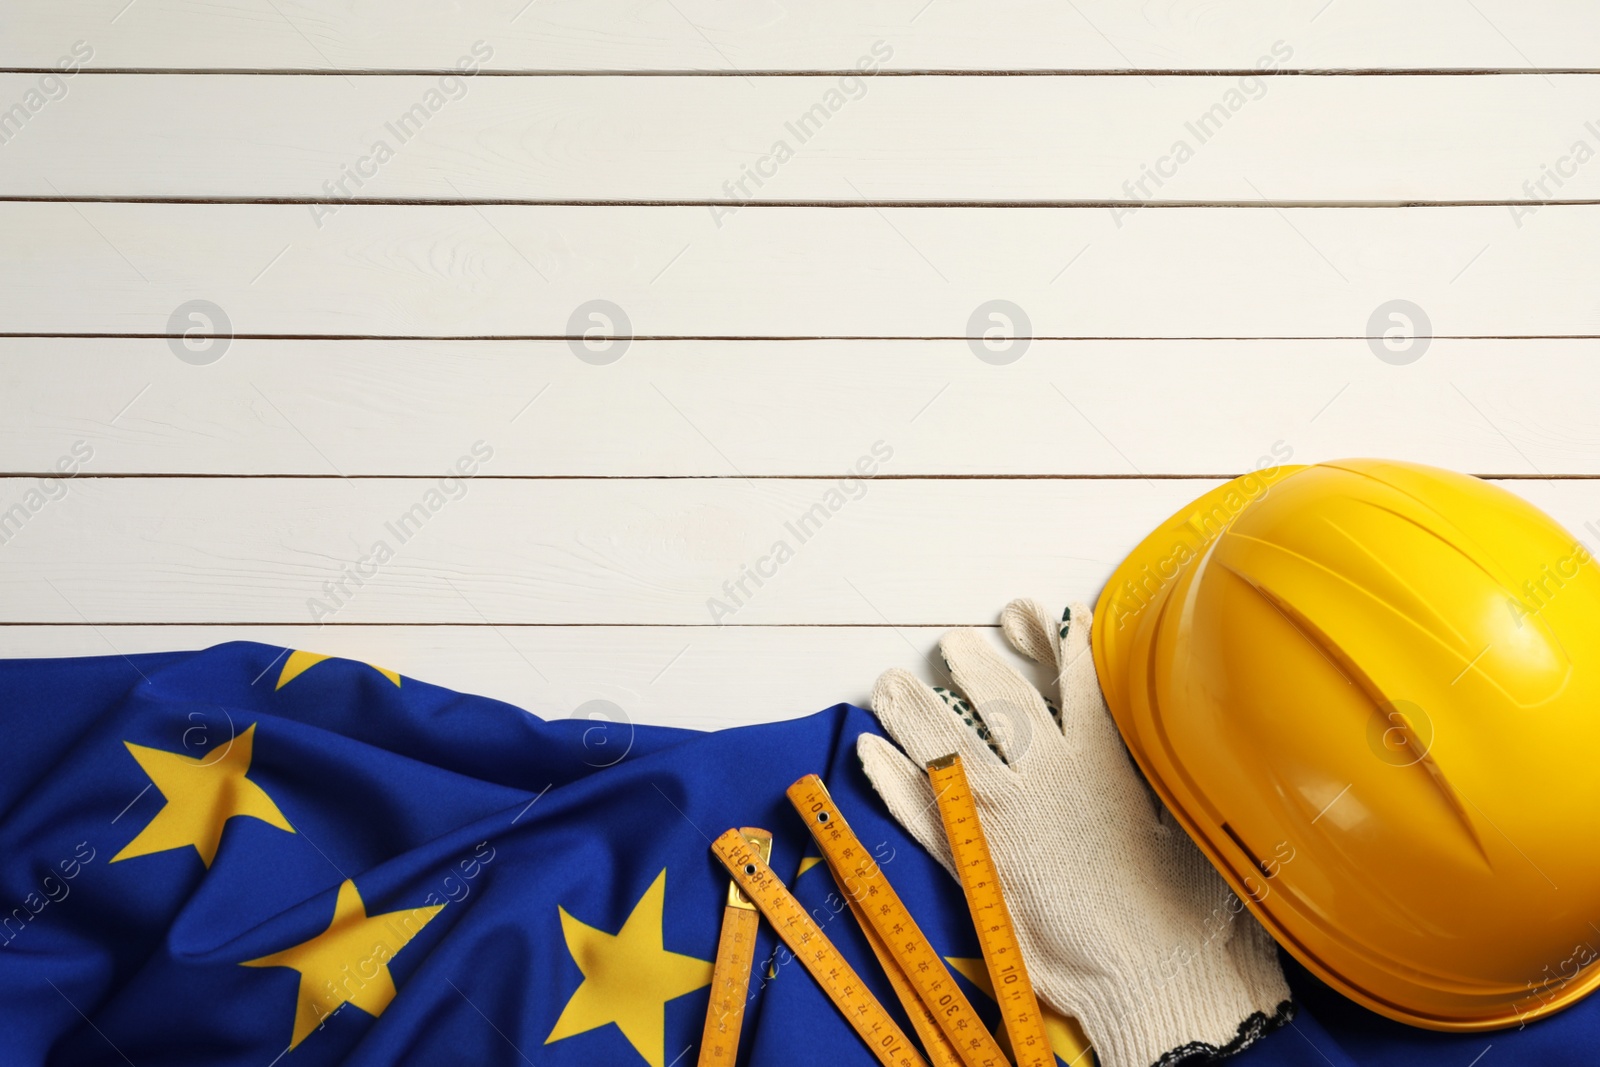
<point>1370,691</point>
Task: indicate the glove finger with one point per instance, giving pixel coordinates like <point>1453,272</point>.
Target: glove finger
<point>1087,721</point>
<point>1009,705</point>
<point>1033,631</point>
<point>906,790</point>
<point>1083,706</point>
<point>923,724</point>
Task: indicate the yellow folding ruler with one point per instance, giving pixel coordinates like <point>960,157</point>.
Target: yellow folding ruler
<point>997,937</point>
<point>951,1032</point>
<point>864,881</point>
<point>813,949</point>
<point>934,1043</point>
<point>730,975</point>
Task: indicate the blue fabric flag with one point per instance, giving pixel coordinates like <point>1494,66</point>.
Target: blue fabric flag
<point>251,856</point>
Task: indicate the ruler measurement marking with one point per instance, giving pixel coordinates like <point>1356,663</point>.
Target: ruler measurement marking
<point>730,974</point>
<point>819,955</point>
<point>980,884</point>
<point>921,964</point>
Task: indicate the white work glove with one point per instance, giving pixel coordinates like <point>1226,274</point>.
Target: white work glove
<point>1123,922</point>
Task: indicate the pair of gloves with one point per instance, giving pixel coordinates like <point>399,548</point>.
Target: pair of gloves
<point>1124,924</point>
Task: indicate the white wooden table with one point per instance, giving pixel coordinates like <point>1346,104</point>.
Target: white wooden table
<point>1200,219</point>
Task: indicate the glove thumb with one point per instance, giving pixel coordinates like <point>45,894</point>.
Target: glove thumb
<point>1033,631</point>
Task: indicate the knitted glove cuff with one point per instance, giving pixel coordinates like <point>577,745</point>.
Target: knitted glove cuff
<point>1209,1006</point>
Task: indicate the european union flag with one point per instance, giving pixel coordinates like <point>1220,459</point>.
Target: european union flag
<point>253,856</point>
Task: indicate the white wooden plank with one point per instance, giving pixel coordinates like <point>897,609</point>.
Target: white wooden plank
<point>452,270</point>
<point>933,552</point>
<point>669,676</point>
<point>701,34</point>
<point>812,138</point>
<point>794,408</point>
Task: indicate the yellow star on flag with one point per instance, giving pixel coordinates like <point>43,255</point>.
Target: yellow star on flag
<point>1066,1037</point>
<point>628,977</point>
<point>300,662</point>
<point>202,795</point>
<point>348,963</point>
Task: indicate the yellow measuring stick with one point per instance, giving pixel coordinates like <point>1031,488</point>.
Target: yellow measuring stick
<point>980,881</point>
<point>886,914</point>
<point>813,949</point>
<point>730,975</point>
<point>934,1043</point>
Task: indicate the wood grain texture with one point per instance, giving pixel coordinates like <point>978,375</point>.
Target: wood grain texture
<point>704,35</point>
<point>722,409</point>
<point>929,553</point>
<point>583,563</point>
<point>462,270</point>
<point>703,679</point>
<point>1227,138</point>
